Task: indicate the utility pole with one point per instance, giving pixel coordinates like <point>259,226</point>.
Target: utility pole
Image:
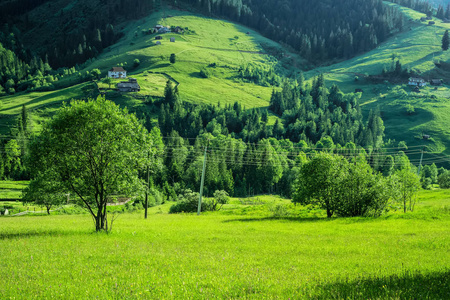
<point>420,164</point>
<point>202,183</point>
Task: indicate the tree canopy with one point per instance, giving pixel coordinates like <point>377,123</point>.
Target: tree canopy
<point>94,149</point>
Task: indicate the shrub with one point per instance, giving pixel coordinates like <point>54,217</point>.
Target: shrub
<point>205,73</point>
<point>426,184</point>
<point>444,180</point>
<point>279,210</point>
<point>188,202</point>
<point>220,198</point>
<point>136,63</point>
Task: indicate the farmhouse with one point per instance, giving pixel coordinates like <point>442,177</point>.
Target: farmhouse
<point>158,37</point>
<point>172,39</point>
<point>117,72</point>
<point>178,29</point>
<point>436,81</point>
<point>416,81</point>
<point>129,86</point>
<point>164,30</point>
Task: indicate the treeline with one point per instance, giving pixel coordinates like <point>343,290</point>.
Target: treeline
<point>426,7</point>
<point>351,27</point>
<point>70,36</point>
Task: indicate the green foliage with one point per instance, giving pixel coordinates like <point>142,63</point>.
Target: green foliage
<point>136,63</point>
<point>94,149</point>
<point>444,180</point>
<point>43,191</point>
<point>96,73</point>
<point>409,109</point>
<point>187,202</point>
<point>220,198</point>
<point>204,72</point>
<point>172,58</point>
<point>406,185</point>
<point>445,41</point>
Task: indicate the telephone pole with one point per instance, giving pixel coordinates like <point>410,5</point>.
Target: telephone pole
<point>202,183</point>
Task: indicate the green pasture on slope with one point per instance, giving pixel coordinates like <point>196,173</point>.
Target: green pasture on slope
<point>12,189</point>
<point>418,47</point>
<point>207,41</point>
<point>240,252</point>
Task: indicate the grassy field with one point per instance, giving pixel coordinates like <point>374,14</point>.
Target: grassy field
<point>240,252</point>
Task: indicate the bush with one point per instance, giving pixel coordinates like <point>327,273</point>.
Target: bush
<point>205,73</point>
<point>188,202</point>
<point>426,184</point>
<point>136,63</point>
<point>444,180</point>
<point>220,198</point>
<point>279,210</point>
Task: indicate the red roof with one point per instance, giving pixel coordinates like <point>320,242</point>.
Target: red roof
<point>117,69</point>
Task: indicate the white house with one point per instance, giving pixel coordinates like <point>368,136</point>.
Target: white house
<point>117,72</point>
<point>417,82</point>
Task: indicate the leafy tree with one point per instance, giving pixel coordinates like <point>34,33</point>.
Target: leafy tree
<point>136,63</point>
<point>107,80</point>
<point>220,198</point>
<point>407,184</point>
<point>444,180</point>
<point>95,150</point>
<point>44,192</point>
<point>172,58</point>
<point>319,182</point>
<point>95,73</point>
<point>445,41</point>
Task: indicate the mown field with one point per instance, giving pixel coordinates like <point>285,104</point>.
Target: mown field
<point>239,252</point>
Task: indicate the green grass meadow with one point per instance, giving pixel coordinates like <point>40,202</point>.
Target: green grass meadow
<point>239,252</point>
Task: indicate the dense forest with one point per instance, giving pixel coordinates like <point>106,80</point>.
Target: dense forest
<point>352,26</point>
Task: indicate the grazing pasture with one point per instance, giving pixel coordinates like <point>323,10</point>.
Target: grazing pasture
<point>242,251</point>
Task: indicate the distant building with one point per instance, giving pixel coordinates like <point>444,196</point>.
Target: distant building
<point>178,29</point>
<point>158,43</point>
<point>436,81</point>
<point>117,72</point>
<point>129,86</point>
<point>426,137</point>
<point>158,27</point>
<point>417,82</point>
<point>423,19</point>
<point>172,39</point>
<point>431,23</point>
<point>158,37</point>
<point>164,30</point>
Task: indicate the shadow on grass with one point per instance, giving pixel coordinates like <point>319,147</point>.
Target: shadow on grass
<point>290,219</point>
<point>410,285</point>
<point>30,234</point>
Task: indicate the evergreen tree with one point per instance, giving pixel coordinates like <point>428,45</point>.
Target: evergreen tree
<point>445,41</point>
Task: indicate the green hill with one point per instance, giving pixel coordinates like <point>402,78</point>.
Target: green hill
<point>418,48</point>
<point>221,49</point>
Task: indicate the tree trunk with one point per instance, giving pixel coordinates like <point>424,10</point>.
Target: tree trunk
<point>329,213</point>
<point>48,209</point>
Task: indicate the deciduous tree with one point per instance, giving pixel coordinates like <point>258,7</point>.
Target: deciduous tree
<point>95,150</point>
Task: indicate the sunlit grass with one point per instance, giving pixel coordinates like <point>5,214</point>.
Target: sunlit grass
<point>225,255</point>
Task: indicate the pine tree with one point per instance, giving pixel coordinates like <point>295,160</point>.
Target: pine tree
<point>445,41</point>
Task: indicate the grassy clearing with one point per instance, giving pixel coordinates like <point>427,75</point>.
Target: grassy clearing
<point>230,255</point>
<point>12,189</point>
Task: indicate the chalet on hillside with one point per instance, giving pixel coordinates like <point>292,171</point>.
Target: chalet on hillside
<point>164,30</point>
<point>178,29</point>
<point>117,72</point>
<point>414,81</point>
<point>436,82</point>
<point>129,86</point>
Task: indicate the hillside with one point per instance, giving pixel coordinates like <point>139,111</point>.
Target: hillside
<point>223,49</point>
<point>417,48</point>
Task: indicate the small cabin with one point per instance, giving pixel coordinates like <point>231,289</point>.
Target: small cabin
<point>436,82</point>
<point>158,37</point>
<point>414,81</point>
<point>158,43</point>
<point>117,72</point>
<point>172,39</point>
<point>431,23</point>
<point>129,86</point>
<point>426,137</point>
